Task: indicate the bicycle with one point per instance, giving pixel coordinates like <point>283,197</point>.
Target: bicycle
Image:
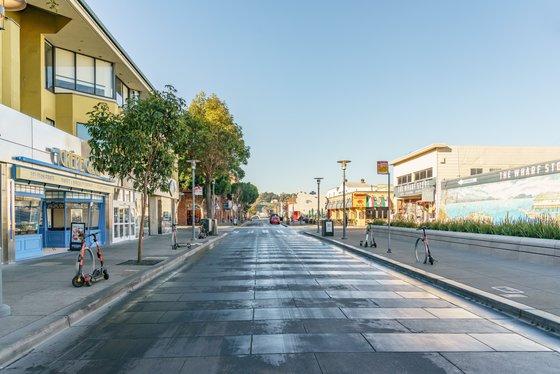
<point>427,254</point>
<point>81,278</point>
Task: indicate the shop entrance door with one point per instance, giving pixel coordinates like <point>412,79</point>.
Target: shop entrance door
<point>123,224</point>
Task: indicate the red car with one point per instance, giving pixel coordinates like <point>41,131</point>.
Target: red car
<point>274,220</point>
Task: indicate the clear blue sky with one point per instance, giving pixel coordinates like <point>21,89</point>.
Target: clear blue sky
<point>314,81</point>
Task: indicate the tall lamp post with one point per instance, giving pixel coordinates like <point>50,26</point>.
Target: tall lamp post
<point>193,211</point>
<point>344,164</point>
<point>318,179</point>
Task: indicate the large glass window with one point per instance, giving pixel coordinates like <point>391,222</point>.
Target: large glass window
<point>78,72</point>
<point>28,215</point>
<point>103,78</point>
<point>49,66</point>
<point>85,74</point>
<point>65,69</point>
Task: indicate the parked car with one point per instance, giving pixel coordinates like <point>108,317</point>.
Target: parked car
<point>274,219</point>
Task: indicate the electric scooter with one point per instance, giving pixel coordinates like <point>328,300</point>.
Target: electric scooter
<point>96,273</point>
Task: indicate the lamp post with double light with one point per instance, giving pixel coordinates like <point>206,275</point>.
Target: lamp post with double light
<point>343,165</point>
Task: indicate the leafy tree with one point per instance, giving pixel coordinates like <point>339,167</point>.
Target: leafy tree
<point>246,193</point>
<point>140,143</point>
<point>215,140</point>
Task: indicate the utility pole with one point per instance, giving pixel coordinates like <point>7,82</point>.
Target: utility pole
<point>193,211</point>
<point>344,164</point>
<point>318,179</point>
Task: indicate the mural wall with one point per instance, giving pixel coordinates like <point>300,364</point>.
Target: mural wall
<point>526,198</point>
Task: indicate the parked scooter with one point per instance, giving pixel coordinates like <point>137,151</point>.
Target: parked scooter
<point>369,240</point>
<point>95,273</point>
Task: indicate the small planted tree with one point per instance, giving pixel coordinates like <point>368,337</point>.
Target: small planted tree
<point>139,144</point>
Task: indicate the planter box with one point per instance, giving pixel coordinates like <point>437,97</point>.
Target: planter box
<point>542,251</point>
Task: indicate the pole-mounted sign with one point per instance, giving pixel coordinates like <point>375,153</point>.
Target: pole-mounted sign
<point>383,169</point>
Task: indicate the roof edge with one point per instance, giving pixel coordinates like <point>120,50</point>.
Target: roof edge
<point>119,47</point>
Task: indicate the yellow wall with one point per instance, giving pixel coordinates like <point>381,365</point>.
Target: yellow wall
<point>10,62</point>
<point>22,78</point>
<point>73,107</point>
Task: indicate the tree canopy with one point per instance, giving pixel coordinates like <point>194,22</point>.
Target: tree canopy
<point>140,143</point>
<point>215,140</point>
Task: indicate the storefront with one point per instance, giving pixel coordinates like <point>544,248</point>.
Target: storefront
<point>45,204</point>
<point>416,200</point>
<point>126,215</point>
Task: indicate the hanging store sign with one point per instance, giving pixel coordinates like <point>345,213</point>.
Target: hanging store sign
<point>60,180</point>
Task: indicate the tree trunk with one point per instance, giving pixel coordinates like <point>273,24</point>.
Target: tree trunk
<point>209,202</point>
<point>141,231</point>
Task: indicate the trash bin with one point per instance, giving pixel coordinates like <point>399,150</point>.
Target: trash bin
<point>214,229</point>
<point>206,224</point>
<point>327,227</point>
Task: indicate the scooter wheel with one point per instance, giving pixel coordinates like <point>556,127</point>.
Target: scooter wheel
<point>105,274</point>
<point>78,281</point>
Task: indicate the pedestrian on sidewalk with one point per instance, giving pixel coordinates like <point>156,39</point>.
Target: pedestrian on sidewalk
<point>370,240</point>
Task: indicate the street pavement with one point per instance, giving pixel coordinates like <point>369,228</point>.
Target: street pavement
<point>267,299</point>
<point>532,284</point>
<point>38,289</point>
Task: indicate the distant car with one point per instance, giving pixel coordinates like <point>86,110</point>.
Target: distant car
<point>274,220</point>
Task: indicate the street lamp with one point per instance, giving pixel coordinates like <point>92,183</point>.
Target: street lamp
<point>344,164</point>
<point>318,179</point>
<point>193,214</point>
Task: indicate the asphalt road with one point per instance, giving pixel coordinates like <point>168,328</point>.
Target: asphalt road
<point>267,299</point>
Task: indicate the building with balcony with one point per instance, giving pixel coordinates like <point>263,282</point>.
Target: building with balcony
<point>57,64</point>
<point>418,176</point>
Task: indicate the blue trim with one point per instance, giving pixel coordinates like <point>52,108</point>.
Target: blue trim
<point>28,194</point>
<point>58,167</point>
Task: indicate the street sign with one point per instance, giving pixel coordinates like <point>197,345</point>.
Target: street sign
<point>383,167</point>
<point>198,190</point>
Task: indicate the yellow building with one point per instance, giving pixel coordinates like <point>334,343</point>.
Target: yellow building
<point>364,202</point>
<point>56,65</point>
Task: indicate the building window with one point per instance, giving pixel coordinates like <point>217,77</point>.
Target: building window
<point>122,92</point>
<point>50,122</point>
<point>476,171</point>
<point>104,78</point>
<point>82,131</point>
<point>423,174</point>
<point>49,66</point>
<point>74,71</point>
<point>65,72</point>
<point>85,74</point>
<point>494,169</point>
<point>404,179</point>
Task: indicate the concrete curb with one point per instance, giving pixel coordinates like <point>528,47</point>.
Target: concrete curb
<point>536,316</point>
<point>14,345</point>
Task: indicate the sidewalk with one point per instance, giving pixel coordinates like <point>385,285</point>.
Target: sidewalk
<point>39,290</point>
<point>535,285</point>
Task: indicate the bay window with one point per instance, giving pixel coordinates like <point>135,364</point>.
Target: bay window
<point>77,72</point>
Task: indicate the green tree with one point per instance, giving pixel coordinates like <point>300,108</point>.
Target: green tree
<point>215,140</point>
<point>140,143</point>
<point>246,193</point>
